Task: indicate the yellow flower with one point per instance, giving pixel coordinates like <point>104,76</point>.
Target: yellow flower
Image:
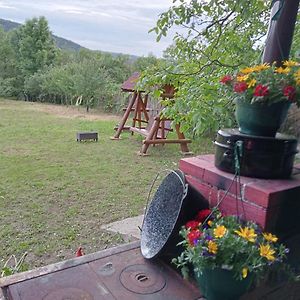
<point>270,237</point>
<point>247,71</point>
<point>281,70</point>
<point>244,272</point>
<point>251,83</point>
<point>209,223</point>
<point>220,231</point>
<point>267,252</point>
<point>212,247</point>
<point>247,233</point>
<point>242,78</point>
<point>297,77</point>
<point>262,67</point>
<point>290,63</point>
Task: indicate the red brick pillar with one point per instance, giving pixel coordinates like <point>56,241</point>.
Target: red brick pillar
<point>274,204</point>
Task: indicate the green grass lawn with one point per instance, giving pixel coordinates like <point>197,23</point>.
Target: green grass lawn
<point>55,193</point>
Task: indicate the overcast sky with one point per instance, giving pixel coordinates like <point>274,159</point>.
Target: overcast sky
<point>108,25</point>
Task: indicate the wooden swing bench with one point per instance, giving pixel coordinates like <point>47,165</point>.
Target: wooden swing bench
<point>148,122</point>
<point>156,134</point>
<point>137,105</point>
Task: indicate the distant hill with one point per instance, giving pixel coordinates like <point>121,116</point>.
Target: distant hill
<point>60,42</point>
<point>8,25</point>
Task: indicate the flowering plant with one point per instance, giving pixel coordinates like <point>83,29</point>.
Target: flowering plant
<point>215,241</point>
<point>266,83</point>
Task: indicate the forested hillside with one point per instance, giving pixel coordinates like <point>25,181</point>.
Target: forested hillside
<point>59,41</point>
<point>32,67</point>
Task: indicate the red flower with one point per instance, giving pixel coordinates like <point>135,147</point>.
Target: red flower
<point>290,92</point>
<point>261,90</point>
<point>226,79</point>
<point>193,237</point>
<point>240,87</point>
<point>203,214</point>
<point>192,224</point>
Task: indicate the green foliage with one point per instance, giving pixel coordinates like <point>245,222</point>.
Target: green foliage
<point>215,38</point>
<point>90,78</point>
<point>8,71</point>
<point>33,68</point>
<point>24,51</point>
<point>34,46</point>
<point>142,63</point>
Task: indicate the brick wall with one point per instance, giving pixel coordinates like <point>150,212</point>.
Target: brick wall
<point>274,204</point>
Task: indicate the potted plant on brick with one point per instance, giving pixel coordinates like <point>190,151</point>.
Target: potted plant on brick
<point>263,95</point>
<point>226,254</point>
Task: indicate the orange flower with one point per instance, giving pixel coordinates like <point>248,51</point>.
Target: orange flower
<point>220,231</point>
<point>290,63</point>
<point>251,83</point>
<point>242,78</point>
<point>267,252</point>
<point>281,70</point>
<point>247,70</point>
<point>270,237</point>
<point>261,67</point>
<point>247,233</point>
<point>212,247</point>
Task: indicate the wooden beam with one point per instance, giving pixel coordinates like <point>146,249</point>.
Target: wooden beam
<point>165,141</point>
<point>184,147</point>
<point>125,116</point>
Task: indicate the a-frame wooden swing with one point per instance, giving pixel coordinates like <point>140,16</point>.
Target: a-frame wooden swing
<point>148,121</point>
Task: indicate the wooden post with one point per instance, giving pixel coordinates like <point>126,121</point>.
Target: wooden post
<point>281,29</point>
<point>183,146</point>
<point>150,136</point>
<point>125,117</point>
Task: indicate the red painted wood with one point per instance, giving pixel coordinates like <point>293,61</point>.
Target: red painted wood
<point>129,84</point>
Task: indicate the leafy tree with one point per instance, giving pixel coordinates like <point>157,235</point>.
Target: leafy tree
<point>144,62</point>
<point>8,70</point>
<point>34,46</point>
<point>215,37</point>
<point>87,80</point>
<point>41,72</point>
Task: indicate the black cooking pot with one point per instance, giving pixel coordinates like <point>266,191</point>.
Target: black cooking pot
<point>175,202</point>
<point>260,157</point>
